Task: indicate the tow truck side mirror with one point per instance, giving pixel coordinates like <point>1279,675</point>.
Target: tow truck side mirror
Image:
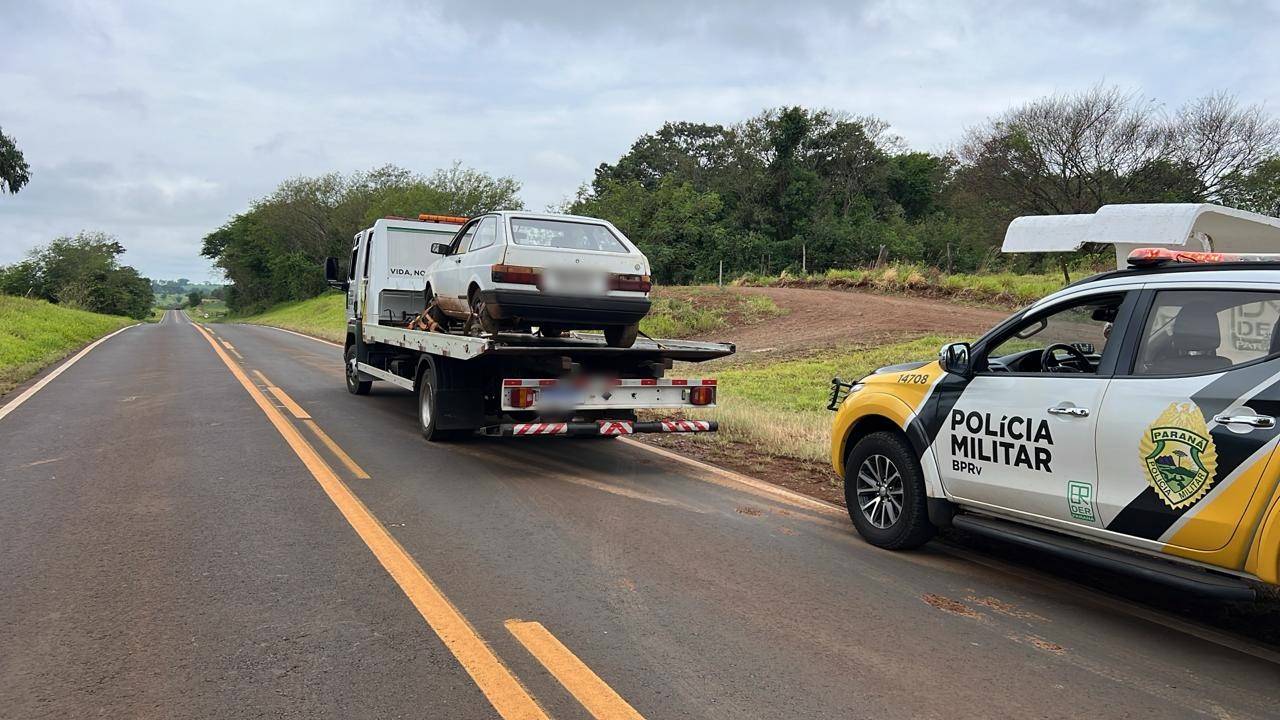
<point>439,249</point>
<point>331,276</point>
<point>955,358</point>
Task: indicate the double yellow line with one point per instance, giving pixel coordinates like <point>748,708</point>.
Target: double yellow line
<point>499,685</point>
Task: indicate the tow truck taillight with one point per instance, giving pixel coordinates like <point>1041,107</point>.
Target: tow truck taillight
<point>702,395</point>
<point>515,274</point>
<point>522,397</point>
<point>630,283</point>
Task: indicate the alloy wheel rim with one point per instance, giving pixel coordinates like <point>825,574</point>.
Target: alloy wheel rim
<point>879,491</point>
<point>424,406</point>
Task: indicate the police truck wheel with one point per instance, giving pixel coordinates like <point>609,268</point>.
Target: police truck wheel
<point>355,385</point>
<point>621,336</point>
<point>884,491</point>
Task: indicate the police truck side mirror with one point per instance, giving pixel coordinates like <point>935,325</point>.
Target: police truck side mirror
<point>332,278</point>
<point>954,358</point>
<point>439,249</point>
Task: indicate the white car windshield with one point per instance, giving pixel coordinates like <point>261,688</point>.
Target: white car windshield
<point>565,234</point>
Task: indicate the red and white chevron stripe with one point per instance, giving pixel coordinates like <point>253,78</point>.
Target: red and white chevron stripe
<point>685,426</point>
<point>540,429</point>
<point>622,427</point>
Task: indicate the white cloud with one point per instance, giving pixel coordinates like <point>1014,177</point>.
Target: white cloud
<point>156,121</point>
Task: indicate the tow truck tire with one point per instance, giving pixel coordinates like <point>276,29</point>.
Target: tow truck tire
<point>355,385</point>
<point>621,336</point>
<point>884,492</point>
<point>427,415</point>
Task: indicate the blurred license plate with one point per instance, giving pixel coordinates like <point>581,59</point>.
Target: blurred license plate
<point>560,397</point>
<point>575,283</point>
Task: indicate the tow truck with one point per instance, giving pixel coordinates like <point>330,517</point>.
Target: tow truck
<point>469,382</point>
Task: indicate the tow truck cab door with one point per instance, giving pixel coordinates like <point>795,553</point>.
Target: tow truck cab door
<point>1175,472</point>
<point>352,283</point>
<point>1020,438</point>
<point>359,274</point>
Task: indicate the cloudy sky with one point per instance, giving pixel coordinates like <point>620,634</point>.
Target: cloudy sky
<point>156,121</point>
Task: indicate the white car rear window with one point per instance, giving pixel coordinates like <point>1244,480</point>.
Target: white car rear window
<point>565,234</point>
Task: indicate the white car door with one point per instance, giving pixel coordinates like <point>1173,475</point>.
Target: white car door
<point>482,255</point>
<point>446,273</point>
<point>1021,435</point>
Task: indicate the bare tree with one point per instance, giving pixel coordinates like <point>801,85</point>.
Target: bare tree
<point>1074,153</point>
<point>1222,142</point>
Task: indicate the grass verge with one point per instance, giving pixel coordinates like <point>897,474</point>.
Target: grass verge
<point>323,316</point>
<point>1005,289</point>
<point>35,333</point>
<point>779,408</point>
<point>680,312</point>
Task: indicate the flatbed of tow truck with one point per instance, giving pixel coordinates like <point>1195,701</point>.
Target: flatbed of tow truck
<point>464,347</point>
<point>517,384</point>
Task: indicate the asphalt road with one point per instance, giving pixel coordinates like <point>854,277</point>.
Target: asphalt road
<point>168,549</point>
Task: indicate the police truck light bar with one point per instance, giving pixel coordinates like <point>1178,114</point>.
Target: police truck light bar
<point>1157,257</point>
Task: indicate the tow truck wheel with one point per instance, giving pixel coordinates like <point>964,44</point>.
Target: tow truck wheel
<point>884,492</point>
<point>428,423</point>
<point>621,336</point>
<point>355,385</point>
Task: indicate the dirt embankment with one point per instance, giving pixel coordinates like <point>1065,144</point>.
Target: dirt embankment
<point>816,319</point>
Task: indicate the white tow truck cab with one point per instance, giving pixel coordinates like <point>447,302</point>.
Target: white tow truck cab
<point>505,383</point>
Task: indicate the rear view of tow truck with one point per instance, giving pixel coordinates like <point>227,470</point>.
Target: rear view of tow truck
<point>518,383</point>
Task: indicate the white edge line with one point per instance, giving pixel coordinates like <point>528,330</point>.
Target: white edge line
<point>294,332</point>
<point>759,485</point>
<point>26,394</point>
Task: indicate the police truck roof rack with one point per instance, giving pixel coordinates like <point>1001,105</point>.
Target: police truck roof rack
<point>1184,227</point>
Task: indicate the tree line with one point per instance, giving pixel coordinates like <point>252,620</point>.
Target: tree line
<point>273,251</point>
<point>81,271</point>
<point>795,189</point>
<point>799,189</point>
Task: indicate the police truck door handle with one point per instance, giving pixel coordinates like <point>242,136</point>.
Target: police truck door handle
<point>1257,421</point>
<point>1072,411</point>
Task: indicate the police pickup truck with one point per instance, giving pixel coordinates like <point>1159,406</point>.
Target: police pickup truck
<point>1128,420</point>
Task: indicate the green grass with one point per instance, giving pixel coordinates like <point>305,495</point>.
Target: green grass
<point>157,314</point>
<point>209,310</point>
<point>34,333</point>
<point>779,407</point>
<point>679,312</point>
<point>323,316</point>
<point>1004,288</point>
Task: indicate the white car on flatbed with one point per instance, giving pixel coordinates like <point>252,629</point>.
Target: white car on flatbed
<point>514,270</point>
<point>515,382</point>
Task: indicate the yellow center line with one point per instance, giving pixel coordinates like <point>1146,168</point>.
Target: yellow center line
<point>499,685</point>
<point>595,694</point>
<point>262,378</point>
<point>288,403</point>
<point>336,449</point>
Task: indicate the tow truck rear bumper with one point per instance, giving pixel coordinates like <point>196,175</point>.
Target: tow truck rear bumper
<point>600,427</point>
